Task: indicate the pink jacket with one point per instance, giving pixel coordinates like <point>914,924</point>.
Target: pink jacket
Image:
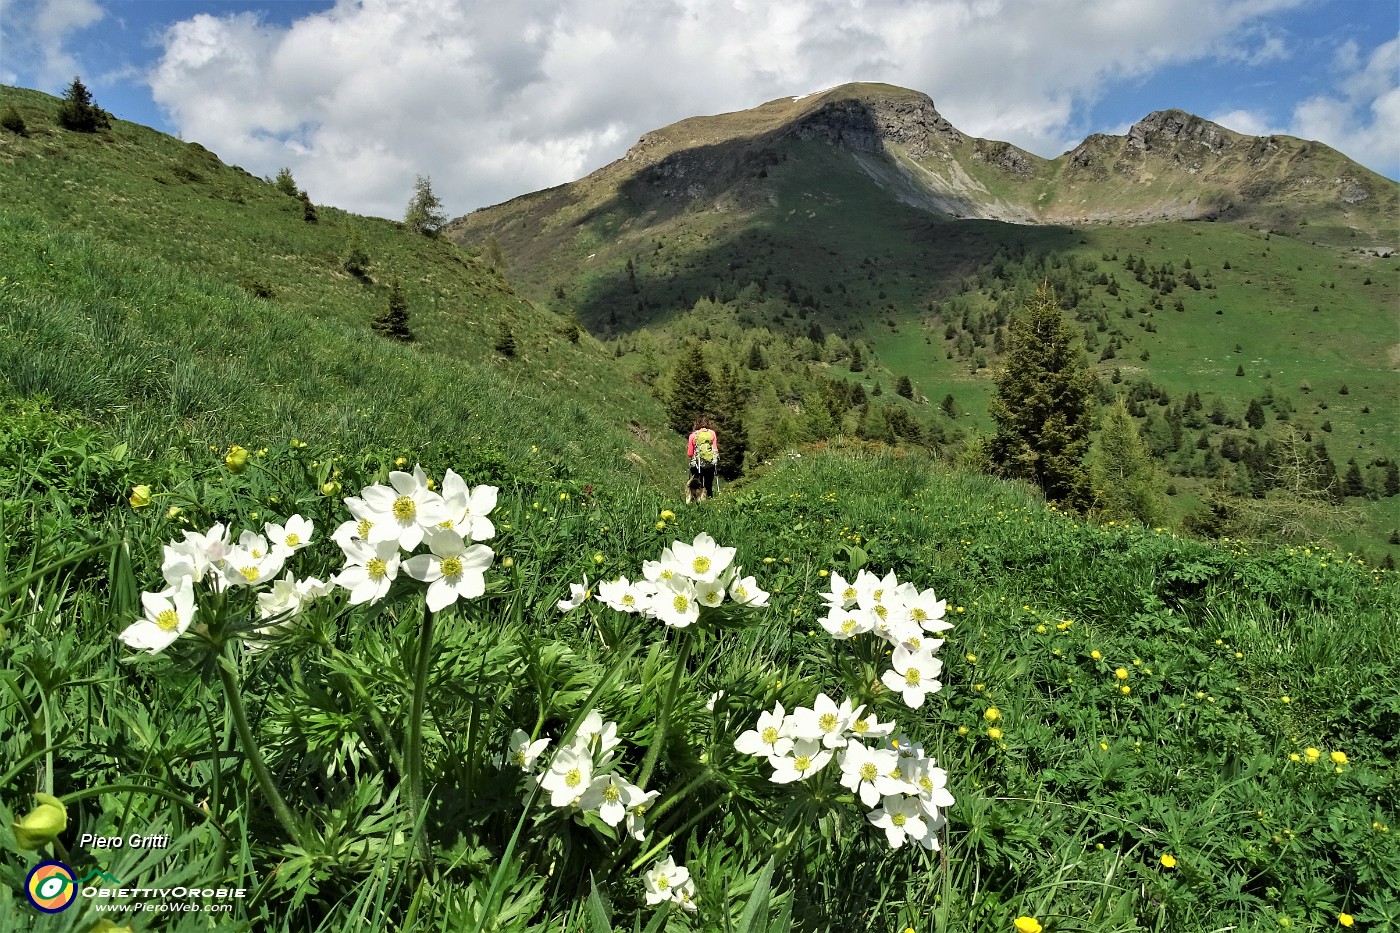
<point>690,448</point>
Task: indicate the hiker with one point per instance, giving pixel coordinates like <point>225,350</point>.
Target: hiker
<point>703,451</point>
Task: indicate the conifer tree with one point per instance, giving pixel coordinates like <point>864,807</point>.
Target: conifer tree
<point>78,111</point>
<point>394,321</point>
<point>1126,480</point>
<point>727,408</point>
<point>691,391</point>
<point>424,214</point>
<point>1042,407</point>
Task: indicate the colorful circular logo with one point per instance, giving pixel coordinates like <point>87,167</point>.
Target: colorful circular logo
<point>51,887</point>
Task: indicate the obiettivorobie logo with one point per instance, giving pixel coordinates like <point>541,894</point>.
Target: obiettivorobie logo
<point>51,886</point>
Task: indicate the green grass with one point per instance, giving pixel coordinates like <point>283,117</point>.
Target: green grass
<point>1233,657</point>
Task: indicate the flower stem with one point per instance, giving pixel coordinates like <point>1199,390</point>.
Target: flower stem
<point>663,721</point>
<point>279,807</point>
<point>413,746</point>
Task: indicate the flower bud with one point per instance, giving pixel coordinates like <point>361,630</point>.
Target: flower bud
<point>140,497</point>
<point>43,824</point>
<point>330,488</point>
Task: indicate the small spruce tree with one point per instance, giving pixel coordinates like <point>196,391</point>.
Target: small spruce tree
<point>394,321</point>
<point>691,390</point>
<point>286,183</point>
<point>1127,482</point>
<point>904,387</point>
<point>79,112</point>
<point>505,343</point>
<point>1043,405</point>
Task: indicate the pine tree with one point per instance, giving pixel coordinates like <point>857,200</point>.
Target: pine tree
<point>1392,479</point>
<point>286,183</point>
<point>904,387</point>
<point>394,321</point>
<point>727,410</point>
<point>1254,417</point>
<point>1042,407</point>
<point>691,391</point>
<point>424,214</point>
<point>1126,480</point>
<point>79,112</point>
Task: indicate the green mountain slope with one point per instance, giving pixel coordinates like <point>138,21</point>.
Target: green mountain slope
<point>1194,259</point>
<point>146,280</point>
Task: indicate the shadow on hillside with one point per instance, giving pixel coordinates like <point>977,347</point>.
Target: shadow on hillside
<point>839,275</point>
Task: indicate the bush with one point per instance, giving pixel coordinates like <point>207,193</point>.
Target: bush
<point>12,121</point>
<point>505,344</point>
<point>394,321</point>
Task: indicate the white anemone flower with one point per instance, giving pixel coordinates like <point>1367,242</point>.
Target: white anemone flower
<point>846,623</point>
<point>292,537</point>
<point>596,735</point>
<point>371,570</point>
<point>251,561</point>
<point>523,752</point>
<point>636,815</point>
<point>467,508</point>
<point>710,594</point>
<point>357,527</point>
<point>452,571</point>
<point>568,777</point>
<point>914,675</point>
<point>928,610</point>
<point>621,595</point>
<point>704,560</point>
<point>612,796</point>
<point>311,588</point>
<point>930,785</point>
<point>664,880</point>
<point>870,727</point>
<point>282,599</point>
<point>676,602</point>
<point>871,773</point>
<point>663,568</point>
<point>902,818</point>
<point>804,759</point>
<point>578,595</point>
<point>746,592</point>
<point>769,739</point>
<point>168,615</point>
<point>403,510</point>
<point>842,594</point>
<point>825,722</point>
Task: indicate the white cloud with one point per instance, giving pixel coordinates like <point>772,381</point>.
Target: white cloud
<point>493,100</point>
<point>35,37</point>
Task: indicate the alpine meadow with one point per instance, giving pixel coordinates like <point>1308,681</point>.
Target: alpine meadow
<point>348,582</point>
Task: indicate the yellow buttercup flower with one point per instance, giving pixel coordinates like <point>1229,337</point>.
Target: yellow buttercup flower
<point>43,824</point>
<point>1027,925</point>
<point>1121,673</point>
<point>1168,861</point>
<point>1096,655</point>
<point>1339,758</point>
<point>992,714</point>
<point>236,460</point>
<point>994,734</point>
<point>140,497</point>
<point>1311,754</point>
<point>668,515</point>
<point>1345,920</point>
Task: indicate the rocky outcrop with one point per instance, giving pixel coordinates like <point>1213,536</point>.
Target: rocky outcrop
<point>1168,129</point>
<point>1004,156</point>
<point>866,125</point>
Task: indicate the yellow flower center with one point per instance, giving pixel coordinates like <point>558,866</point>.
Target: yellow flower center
<point>898,819</point>
<point>662,883</point>
<point>918,615</point>
<point>573,778</point>
<point>881,611</point>
<point>376,568</point>
<point>868,772</point>
<point>362,528</point>
<point>451,567</point>
<point>926,783</point>
<point>802,762</point>
<point>827,722</point>
<point>848,626</point>
<point>740,593</point>
<point>701,564</point>
<point>770,735</point>
<point>629,600</point>
<point>405,509</point>
<point>168,620</point>
<point>681,603</point>
<point>912,677</point>
<point>860,727</point>
<point>849,593</point>
<point>611,793</point>
<point>520,758</point>
<point>293,539</point>
<point>249,573</point>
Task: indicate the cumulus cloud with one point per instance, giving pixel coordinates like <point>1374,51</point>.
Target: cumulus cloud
<point>493,100</point>
<point>1361,117</point>
<point>35,37</point>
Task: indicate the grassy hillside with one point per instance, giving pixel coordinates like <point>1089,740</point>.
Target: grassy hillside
<point>148,282</point>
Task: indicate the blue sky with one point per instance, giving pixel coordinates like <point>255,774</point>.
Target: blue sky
<point>494,99</point>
